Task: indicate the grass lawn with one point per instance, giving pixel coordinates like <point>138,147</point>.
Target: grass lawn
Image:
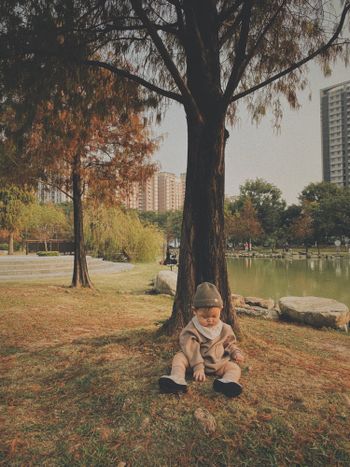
<point>79,385</point>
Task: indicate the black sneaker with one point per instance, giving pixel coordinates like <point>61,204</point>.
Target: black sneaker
<point>230,389</point>
<point>168,386</point>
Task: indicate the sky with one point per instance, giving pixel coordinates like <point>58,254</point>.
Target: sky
<point>290,159</point>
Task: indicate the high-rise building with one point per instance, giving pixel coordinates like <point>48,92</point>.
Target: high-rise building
<point>335,124</point>
<point>182,188</point>
<point>162,192</point>
<point>170,192</point>
<point>143,196</point>
<point>149,194</point>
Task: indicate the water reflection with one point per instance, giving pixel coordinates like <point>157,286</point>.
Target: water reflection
<point>277,277</point>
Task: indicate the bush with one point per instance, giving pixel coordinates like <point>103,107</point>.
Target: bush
<point>48,253</point>
<point>3,246</point>
<point>114,234</point>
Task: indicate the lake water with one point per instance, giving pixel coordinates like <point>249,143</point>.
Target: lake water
<point>277,278</point>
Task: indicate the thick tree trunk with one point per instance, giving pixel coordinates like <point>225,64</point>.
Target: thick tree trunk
<point>10,244</point>
<point>80,273</point>
<point>202,249</point>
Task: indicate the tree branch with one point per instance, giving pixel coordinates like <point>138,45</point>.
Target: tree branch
<point>53,186</point>
<point>250,54</point>
<point>126,74</point>
<point>298,64</point>
<point>240,52</point>
<point>189,102</point>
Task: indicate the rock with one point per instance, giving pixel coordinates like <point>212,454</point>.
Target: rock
<point>206,420</point>
<point>165,282</point>
<point>259,312</point>
<point>267,303</point>
<point>315,311</point>
<point>237,300</point>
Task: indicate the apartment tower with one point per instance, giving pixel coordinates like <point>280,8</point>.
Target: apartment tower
<point>335,125</point>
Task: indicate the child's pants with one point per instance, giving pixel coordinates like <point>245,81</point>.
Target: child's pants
<point>230,371</point>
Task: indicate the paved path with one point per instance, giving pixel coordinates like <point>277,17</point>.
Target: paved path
<point>41,267</point>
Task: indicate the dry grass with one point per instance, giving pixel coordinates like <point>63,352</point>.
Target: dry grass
<point>79,373</point>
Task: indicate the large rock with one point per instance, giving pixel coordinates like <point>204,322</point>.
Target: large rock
<point>315,311</point>
<point>165,282</point>
<point>267,303</point>
<point>259,312</point>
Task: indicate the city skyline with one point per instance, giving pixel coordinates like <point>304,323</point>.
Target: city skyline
<point>290,159</point>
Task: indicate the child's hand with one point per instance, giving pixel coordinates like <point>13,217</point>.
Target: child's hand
<point>199,375</point>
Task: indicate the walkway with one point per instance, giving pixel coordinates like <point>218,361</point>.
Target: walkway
<point>36,267</point>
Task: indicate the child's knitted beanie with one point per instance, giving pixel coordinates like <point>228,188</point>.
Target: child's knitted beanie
<point>207,295</point>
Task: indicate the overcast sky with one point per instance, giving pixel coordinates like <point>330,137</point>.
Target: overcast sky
<point>290,160</point>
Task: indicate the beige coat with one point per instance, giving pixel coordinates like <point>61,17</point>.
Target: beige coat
<point>202,352</point>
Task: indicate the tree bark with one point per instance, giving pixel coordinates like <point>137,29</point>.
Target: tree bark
<point>202,249</point>
<point>10,244</point>
<point>80,273</point>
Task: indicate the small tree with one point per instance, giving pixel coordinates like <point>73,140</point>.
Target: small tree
<point>86,141</point>
<point>244,224</point>
<point>302,228</point>
<point>13,201</point>
<point>45,221</point>
<point>267,201</point>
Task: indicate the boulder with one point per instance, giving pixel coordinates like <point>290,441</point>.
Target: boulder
<point>165,282</point>
<point>267,303</point>
<point>238,300</point>
<point>315,311</point>
<point>259,312</point>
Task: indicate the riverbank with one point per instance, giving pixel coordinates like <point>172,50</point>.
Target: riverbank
<point>291,254</point>
<point>79,384</point>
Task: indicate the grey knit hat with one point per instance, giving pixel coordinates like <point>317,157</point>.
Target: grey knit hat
<point>207,295</point>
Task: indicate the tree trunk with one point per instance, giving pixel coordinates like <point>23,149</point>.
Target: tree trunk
<point>10,244</point>
<point>202,249</point>
<point>80,273</point>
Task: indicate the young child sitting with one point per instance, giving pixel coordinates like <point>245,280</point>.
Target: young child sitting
<point>208,346</point>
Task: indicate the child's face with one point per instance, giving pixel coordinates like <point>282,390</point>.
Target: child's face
<point>207,317</point>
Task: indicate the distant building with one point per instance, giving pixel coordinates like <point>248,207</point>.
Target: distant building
<point>169,192</point>
<point>49,194</point>
<point>335,125</point>
<point>144,195</point>
<point>182,187</point>
<point>164,191</point>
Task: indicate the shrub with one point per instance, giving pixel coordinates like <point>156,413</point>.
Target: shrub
<point>48,253</point>
<point>3,246</point>
<point>113,234</point>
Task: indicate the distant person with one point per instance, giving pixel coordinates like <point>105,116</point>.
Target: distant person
<point>167,256</point>
<point>208,346</point>
<point>173,259</point>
